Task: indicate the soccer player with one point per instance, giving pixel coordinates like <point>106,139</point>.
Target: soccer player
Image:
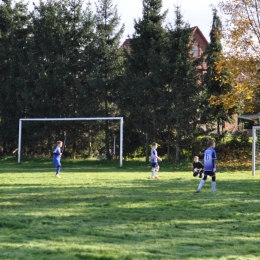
<point>56,158</point>
<point>154,160</point>
<point>197,167</point>
<point>210,157</point>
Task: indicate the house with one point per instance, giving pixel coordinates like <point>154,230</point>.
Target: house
<point>234,126</point>
<point>199,46</point>
<point>243,122</point>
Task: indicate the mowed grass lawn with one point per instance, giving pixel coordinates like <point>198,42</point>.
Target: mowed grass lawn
<point>100,211</point>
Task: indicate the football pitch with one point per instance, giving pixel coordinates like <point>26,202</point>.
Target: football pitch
<point>100,211</point>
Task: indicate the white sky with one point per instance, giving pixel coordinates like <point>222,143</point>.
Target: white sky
<point>195,12</point>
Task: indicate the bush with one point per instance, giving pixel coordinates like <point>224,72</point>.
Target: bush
<point>199,145</point>
<point>238,147</point>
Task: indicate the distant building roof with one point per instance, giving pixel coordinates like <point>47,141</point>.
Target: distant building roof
<point>251,117</point>
<point>196,33</point>
<point>126,44</point>
<point>200,41</point>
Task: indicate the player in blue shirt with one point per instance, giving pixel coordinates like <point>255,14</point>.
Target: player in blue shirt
<point>154,161</point>
<point>56,158</point>
<point>210,158</point>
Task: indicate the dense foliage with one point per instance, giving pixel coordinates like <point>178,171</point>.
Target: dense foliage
<point>241,56</point>
<point>216,81</point>
<point>63,59</point>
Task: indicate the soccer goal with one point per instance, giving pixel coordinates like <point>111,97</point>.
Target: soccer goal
<point>21,120</point>
<point>255,149</point>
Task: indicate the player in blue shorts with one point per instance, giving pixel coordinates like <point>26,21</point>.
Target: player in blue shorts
<point>154,160</point>
<point>56,158</point>
<point>210,158</point>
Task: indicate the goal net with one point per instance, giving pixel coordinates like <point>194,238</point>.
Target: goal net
<point>255,149</point>
<point>120,119</point>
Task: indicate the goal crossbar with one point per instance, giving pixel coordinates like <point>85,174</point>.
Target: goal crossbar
<point>72,119</point>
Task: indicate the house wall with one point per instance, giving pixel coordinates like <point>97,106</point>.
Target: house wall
<point>200,41</point>
<point>232,127</point>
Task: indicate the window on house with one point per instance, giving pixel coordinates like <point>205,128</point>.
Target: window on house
<point>195,51</point>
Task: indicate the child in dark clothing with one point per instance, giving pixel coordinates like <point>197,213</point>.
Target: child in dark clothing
<point>197,167</point>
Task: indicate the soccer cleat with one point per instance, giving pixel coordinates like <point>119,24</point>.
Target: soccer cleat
<point>198,191</point>
<point>57,175</point>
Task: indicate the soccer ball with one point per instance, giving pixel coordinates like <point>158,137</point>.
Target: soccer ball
<point>156,177</point>
<point>196,170</point>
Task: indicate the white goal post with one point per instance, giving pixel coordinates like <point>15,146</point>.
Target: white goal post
<point>72,119</point>
<point>255,148</point>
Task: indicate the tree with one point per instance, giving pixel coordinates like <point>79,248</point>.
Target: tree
<point>60,53</point>
<point>108,63</point>
<point>216,81</point>
<point>14,35</point>
<point>183,93</point>
<point>144,81</point>
<point>241,56</point>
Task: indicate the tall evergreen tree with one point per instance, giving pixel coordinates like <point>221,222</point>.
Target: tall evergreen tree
<point>183,96</point>
<point>108,63</point>
<point>144,80</point>
<point>14,35</point>
<point>60,40</point>
<point>215,80</point>
<point>60,49</point>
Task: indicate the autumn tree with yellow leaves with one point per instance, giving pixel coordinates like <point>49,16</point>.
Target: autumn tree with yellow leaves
<point>216,80</point>
<point>241,55</point>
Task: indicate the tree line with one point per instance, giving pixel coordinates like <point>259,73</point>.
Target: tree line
<point>65,59</point>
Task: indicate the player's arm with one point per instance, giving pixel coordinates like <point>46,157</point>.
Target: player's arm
<point>195,167</point>
<point>160,159</point>
<point>214,158</point>
<point>57,152</point>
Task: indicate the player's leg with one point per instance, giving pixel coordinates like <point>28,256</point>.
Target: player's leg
<point>56,163</point>
<point>153,169</point>
<point>213,184</point>
<point>58,166</point>
<point>152,173</point>
<point>58,171</point>
<point>156,170</point>
<point>202,183</point>
<point>195,172</point>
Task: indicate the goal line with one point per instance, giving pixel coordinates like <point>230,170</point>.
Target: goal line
<point>72,119</point>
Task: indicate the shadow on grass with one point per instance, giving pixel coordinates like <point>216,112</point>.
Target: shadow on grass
<point>117,218</point>
<point>38,165</point>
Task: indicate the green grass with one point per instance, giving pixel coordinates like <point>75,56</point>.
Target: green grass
<point>100,211</point>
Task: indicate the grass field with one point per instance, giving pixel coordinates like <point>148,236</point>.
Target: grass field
<point>100,211</point>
